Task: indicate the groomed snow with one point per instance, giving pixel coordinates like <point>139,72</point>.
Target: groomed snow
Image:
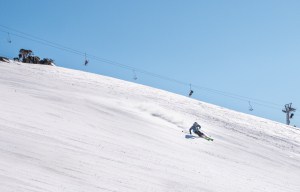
<point>63,130</point>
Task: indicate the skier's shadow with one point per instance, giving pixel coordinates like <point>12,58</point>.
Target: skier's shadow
<point>190,136</point>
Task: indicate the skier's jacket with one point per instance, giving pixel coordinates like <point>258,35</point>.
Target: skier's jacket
<point>196,128</point>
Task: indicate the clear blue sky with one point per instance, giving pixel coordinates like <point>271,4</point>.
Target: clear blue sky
<point>248,48</point>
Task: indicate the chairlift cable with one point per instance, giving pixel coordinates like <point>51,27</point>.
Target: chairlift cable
<point>74,51</point>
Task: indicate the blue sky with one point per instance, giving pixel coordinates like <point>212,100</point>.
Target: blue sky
<point>246,48</point>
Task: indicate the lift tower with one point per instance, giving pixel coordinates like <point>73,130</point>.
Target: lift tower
<point>288,109</point>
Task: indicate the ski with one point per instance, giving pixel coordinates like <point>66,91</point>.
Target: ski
<point>194,137</point>
<point>208,138</point>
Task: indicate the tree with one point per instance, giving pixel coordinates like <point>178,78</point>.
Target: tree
<point>24,53</point>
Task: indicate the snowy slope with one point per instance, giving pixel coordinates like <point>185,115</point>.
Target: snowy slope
<point>71,131</point>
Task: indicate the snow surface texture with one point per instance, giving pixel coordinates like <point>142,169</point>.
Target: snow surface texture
<point>71,131</point>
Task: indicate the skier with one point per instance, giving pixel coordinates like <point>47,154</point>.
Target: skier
<point>196,129</point>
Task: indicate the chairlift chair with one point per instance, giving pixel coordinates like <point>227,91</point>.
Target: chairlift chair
<point>250,107</point>
<point>85,60</point>
<point>8,38</point>
<point>191,91</point>
<point>134,75</point>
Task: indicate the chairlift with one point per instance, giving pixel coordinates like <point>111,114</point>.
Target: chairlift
<point>8,38</point>
<point>291,116</point>
<point>85,60</point>
<point>134,75</point>
<point>250,106</point>
<point>191,91</point>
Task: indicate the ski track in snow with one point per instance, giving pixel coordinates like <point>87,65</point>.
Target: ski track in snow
<point>71,131</point>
